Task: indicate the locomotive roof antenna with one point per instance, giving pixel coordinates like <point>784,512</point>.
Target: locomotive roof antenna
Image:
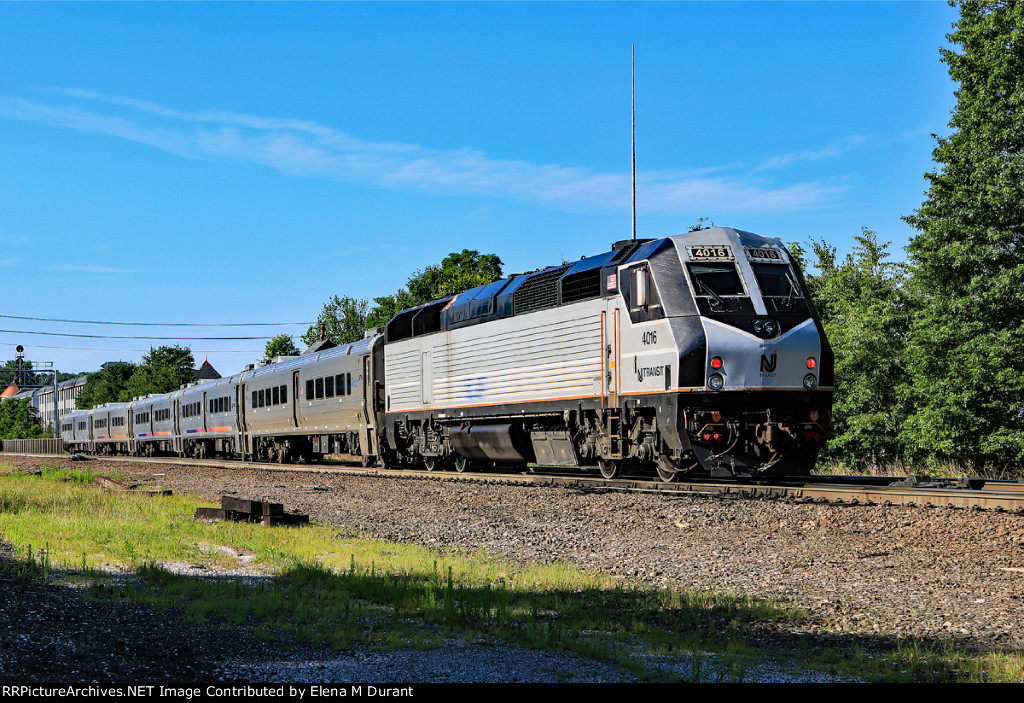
<point>633,116</point>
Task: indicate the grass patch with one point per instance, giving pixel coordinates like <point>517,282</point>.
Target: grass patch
<point>316,585</point>
<point>897,468</point>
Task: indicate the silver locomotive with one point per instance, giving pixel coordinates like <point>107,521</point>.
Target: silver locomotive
<point>698,352</point>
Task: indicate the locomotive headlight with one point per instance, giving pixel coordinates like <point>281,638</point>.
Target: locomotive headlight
<point>770,328</point>
<point>810,382</point>
<point>715,382</point>
<point>758,327</point>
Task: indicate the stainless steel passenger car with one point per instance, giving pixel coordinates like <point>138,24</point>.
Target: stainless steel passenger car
<point>155,424</point>
<point>110,433</point>
<point>208,418</point>
<point>76,431</point>
<point>315,404</point>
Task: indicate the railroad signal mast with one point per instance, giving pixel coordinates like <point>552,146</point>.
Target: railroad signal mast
<point>39,367</point>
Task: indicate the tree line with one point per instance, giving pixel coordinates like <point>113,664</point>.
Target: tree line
<point>930,352</point>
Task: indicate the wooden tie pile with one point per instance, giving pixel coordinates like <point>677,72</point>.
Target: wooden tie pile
<point>241,510</point>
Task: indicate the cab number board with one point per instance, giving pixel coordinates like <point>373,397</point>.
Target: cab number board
<point>764,254</point>
<point>699,253</point>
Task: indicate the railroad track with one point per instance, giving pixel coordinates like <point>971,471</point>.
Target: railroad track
<point>973,493</point>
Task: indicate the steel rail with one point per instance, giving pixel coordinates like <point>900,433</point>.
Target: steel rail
<point>978,494</point>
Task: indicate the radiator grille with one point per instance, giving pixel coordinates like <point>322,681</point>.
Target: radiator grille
<point>538,291</point>
<point>582,285</point>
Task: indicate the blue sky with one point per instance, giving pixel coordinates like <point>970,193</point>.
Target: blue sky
<point>215,163</point>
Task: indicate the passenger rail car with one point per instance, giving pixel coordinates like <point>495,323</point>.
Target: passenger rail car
<point>694,353</point>
<point>314,404</point>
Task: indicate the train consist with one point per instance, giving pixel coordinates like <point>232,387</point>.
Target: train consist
<point>696,353</point>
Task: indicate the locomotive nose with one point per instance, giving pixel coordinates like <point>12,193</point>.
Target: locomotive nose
<point>737,360</point>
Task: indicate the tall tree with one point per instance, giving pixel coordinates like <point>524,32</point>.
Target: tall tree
<point>346,319</point>
<point>456,273</point>
<point>386,306</point>
<point>342,320</point>
<point>865,307</point>
<point>163,369</point>
<point>108,385</point>
<point>281,345</point>
<point>966,348</point>
<point>18,420</point>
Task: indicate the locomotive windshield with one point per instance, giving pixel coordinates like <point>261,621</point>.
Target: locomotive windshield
<point>776,281</point>
<point>716,280</point>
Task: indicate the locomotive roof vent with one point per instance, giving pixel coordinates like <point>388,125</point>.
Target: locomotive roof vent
<point>623,243</point>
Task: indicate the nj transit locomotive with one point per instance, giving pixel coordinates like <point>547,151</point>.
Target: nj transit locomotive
<point>693,353</point>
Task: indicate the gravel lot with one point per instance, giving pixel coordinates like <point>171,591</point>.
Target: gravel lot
<point>870,572</point>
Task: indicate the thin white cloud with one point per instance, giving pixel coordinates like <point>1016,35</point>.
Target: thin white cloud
<point>829,151</point>
<point>354,250</point>
<point>840,148</point>
<point>92,269</point>
<point>303,148</point>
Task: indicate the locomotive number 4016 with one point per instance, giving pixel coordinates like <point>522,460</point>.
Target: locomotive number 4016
<point>710,252</point>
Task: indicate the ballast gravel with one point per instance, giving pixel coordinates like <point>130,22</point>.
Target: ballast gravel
<point>864,573</point>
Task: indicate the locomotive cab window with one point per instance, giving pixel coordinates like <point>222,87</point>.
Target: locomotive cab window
<point>716,280</point>
<point>776,281</point>
<point>643,294</point>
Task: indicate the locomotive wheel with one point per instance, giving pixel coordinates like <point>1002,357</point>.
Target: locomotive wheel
<point>430,463</point>
<point>365,460</point>
<point>461,464</point>
<point>610,468</point>
<point>667,471</point>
